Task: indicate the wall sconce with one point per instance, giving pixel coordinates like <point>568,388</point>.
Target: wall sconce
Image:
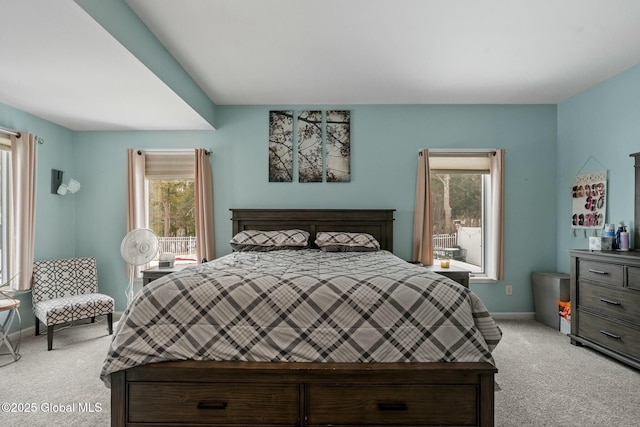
<point>58,187</point>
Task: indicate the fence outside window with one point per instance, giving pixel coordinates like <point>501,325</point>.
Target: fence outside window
<point>445,240</point>
<point>180,246</point>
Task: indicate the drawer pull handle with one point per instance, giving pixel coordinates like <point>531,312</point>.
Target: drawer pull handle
<point>212,405</point>
<point>608,301</point>
<point>392,407</point>
<point>610,335</point>
<point>597,271</point>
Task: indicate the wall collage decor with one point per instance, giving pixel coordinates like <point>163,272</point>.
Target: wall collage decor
<point>589,194</point>
<point>323,145</point>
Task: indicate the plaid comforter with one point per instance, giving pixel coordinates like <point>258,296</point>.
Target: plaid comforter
<point>303,306</point>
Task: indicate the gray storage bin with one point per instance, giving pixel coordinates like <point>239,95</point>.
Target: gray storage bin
<point>549,287</point>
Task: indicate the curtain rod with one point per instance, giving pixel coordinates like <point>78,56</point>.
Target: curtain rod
<point>437,152</point>
<point>170,151</point>
<point>9,132</point>
<point>15,133</point>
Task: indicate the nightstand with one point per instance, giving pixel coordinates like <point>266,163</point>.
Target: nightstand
<point>156,272</point>
<point>457,274</point>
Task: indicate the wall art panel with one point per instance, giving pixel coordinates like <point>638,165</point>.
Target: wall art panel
<point>338,146</point>
<point>280,146</point>
<point>310,146</point>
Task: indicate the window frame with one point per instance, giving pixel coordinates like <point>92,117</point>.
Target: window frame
<point>181,160</point>
<point>489,243</point>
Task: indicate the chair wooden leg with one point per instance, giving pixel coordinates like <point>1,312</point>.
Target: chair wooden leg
<point>93,320</point>
<point>49,337</point>
<point>110,322</point>
<point>37,326</point>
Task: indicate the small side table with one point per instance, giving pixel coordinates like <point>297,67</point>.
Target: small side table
<point>157,272</point>
<point>457,274</point>
<point>11,305</point>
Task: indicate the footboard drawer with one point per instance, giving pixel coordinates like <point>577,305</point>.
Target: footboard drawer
<point>415,405</point>
<point>213,403</point>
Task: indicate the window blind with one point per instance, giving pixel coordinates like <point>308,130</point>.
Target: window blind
<point>453,162</point>
<point>5,143</point>
<point>169,164</point>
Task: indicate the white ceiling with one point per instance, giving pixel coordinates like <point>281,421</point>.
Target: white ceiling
<point>59,64</point>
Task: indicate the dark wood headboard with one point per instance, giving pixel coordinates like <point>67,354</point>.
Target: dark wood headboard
<point>377,222</point>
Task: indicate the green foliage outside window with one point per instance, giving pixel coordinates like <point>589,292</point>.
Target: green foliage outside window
<point>172,207</point>
<point>464,194</point>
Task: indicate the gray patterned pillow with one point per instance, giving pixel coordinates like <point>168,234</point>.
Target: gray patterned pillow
<point>339,241</point>
<point>259,240</point>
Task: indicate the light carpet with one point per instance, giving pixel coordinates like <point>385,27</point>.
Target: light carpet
<point>543,381</point>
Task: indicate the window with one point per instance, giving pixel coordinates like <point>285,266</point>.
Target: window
<point>5,176</point>
<point>465,211</point>
<point>170,202</point>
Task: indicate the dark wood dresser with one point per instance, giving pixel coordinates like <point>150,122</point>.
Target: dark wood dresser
<point>605,303</point>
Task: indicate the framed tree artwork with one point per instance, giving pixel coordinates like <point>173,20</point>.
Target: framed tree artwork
<point>338,146</point>
<point>280,146</point>
<point>323,144</point>
<point>310,146</point>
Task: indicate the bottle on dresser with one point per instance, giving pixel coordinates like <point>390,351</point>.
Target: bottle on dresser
<point>624,240</point>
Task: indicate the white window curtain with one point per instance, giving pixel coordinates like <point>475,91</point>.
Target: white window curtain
<point>422,220</point>
<point>136,206</point>
<point>205,241</point>
<point>497,211</point>
<point>5,209</point>
<point>21,202</point>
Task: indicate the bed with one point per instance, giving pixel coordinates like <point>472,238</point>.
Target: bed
<point>326,358</point>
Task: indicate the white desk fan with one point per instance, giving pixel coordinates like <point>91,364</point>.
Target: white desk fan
<point>138,247</point>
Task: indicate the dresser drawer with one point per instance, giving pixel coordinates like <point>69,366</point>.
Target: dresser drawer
<point>609,274</point>
<point>619,303</point>
<point>391,405</point>
<point>613,335</point>
<point>633,278</point>
<point>217,403</point>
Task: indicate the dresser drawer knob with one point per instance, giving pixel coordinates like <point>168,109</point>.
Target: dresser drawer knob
<point>610,335</point>
<point>598,271</point>
<point>392,407</point>
<point>608,301</point>
<point>212,405</point>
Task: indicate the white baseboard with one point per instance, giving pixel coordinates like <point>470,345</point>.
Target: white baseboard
<point>513,316</point>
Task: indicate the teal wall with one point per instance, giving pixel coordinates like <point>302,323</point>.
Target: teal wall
<point>385,143</point>
<point>55,215</point>
<point>597,130</point>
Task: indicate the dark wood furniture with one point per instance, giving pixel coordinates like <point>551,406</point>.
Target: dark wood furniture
<point>454,273</point>
<point>156,272</point>
<point>305,394</point>
<point>605,299</point>
<point>636,214</point>
<point>377,222</point>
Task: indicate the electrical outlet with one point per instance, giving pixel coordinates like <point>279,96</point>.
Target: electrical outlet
<point>509,289</point>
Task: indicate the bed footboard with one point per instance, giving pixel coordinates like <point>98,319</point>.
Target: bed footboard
<point>303,394</point>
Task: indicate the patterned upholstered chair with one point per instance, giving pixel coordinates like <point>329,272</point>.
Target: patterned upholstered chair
<point>65,290</point>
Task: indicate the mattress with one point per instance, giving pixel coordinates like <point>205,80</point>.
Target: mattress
<point>303,306</point>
